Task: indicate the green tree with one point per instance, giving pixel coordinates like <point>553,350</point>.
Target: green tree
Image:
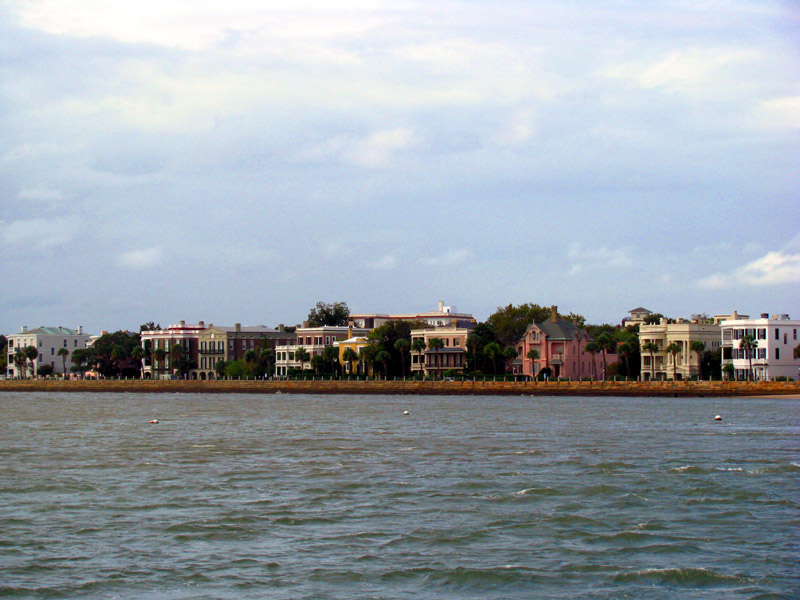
<point>605,343</point>
<point>137,354</point>
<point>749,344</point>
<point>510,354</point>
<point>21,362</point>
<point>31,353</point>
<point>654,319</point>
<point>220,367</point>
<point>331,356</point>
<point>350,356</point>
<point>383,357</point>
<point>318,363</point>
<point>159,355</point>
<point>624,351</point>
<point>436,344</point>
<point>493,351</point>
<point>728,370</point>
<point>674,349</point>
<point>63,353</point>
<point>301,355</point>
<point>45,370</point>
<point>80,361</point>
<point>698,348</point>
<point>796,351</point>
<point>418,346</point>
<point>266,361</point>
<point>402,345</point>
<point>175,355</point>
<point>651,348</point>
<point>335,314</point>
<point>110,351</point>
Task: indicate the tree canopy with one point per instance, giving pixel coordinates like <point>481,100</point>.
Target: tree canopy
<point>333,314</point>
<point>510,322</point>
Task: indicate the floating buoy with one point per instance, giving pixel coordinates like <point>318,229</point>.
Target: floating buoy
<point>718,418</point>
<point>154,420</point>
<point>405,412</point>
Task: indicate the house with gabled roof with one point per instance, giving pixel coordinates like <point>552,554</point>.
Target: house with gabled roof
<point>560,346</point>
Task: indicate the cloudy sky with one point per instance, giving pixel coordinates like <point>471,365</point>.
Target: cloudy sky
<point>238,161</point>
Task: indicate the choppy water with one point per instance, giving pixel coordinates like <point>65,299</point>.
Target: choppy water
<point>287,496</point>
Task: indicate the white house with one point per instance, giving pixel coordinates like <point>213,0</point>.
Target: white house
<point>47,341</point>
<point>776,337</point>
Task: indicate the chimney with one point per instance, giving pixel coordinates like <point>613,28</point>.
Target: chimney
<point>24,329</point>
<point>553,313</point>
<point>202,323</point>
<point>237,327</point>
<point>765,315</point>
<point>80,329</point>
<point>304,325</point>
<point>281,327</point>
<point>349,332</point>
<point>183,323</point>
<point>441,305</point>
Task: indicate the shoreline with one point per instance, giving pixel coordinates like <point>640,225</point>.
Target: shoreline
<point>467,388</point>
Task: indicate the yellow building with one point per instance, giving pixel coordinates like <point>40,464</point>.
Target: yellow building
<point>356,344</point>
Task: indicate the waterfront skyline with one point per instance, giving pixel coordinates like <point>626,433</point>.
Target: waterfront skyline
<point>239,162</point>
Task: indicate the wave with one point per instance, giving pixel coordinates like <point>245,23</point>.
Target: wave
<point>690,577</point>
<point>543,491</point>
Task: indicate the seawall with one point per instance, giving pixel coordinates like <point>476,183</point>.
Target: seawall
<point>551,388</point>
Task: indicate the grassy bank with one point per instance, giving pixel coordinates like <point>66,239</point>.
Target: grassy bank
<point>552,388</point>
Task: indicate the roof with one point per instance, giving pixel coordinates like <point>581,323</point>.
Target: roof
<point>640,309</point>
<point>253,329</point>
<point>42,330</point>
<point>560,329</point>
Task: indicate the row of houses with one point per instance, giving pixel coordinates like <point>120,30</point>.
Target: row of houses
<point>555,344</point>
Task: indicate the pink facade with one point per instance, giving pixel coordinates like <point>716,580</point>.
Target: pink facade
<point>561,347</point>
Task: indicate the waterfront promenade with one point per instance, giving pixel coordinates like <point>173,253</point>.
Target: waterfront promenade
<point>550,388</point>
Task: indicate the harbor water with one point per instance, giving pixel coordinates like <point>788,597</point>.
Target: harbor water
<point>346,497</point>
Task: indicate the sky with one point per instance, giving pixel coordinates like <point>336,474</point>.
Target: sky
<point>239,161</point>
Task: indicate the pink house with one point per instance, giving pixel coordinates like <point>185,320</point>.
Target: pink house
<point>561,346</point>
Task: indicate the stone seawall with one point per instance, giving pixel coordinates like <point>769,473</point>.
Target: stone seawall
<point>564,388</point>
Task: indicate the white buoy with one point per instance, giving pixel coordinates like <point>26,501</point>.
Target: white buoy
<point>405,412</point>
<point>718,418</point>
<point>154,420</point>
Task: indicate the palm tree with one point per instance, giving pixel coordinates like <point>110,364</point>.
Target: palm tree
<point>175,354</point>
<point>331,355</point>
<point>350,355</point>
<point>418,346</point>
<point>748,343</point>
<point>63,353</point>
<point>592,348</point>
<point>651,348</point>
<point>533,355</point>
<point>436,344</point>
<point>159,355</point>
<point>302,355</point>
<point>624,350</point>
<point>21,362</point>
<point>698,347</point>
<point>674,348</point>
<point>402,345</point>
<point>137,354</point>
<point>510,353</point>
<point>474,343</point>
<point>604,343</point>
<point>383,357</point>
<point>493,350</point>
<point>31,353</point>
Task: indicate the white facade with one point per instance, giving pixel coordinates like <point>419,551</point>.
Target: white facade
<point>47,341</point>
<point>660,365</point>
<point>313,340</point>
<point>776,336</point>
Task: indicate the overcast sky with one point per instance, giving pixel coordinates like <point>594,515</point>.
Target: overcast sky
<point>238,161</point>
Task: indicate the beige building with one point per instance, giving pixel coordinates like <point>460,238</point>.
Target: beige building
<point>441,317</point>
<point>313,340</point>
<point>223,343</point>
<point>660,365</point>
<point>451,357</point>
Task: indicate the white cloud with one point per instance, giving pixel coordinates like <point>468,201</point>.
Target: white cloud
<point>141,259</point>
<point>374,150</point>
<point>598,257</point>
<point>385,263</point>
<point>453,257</point>
<point>771,269</point>
<point>39,233</point>
<point>40,194</point>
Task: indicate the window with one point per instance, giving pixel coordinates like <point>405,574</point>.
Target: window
<point>65,343</point>
<point>777,333</point>
<point>762,334</point>
<point>777,353</point>
<point>40,343</point>
<point>52,351</point>
<point>785,341</point>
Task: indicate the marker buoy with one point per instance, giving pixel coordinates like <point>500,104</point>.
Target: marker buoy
<point>154,420</point>
<point>405,412</point>
<point>718,418</point>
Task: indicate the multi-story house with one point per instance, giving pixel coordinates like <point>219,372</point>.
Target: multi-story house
<point>183,334</point>
<point>47,341</point>
<point>433,362</point>
<point>776,337</point>
<point>636,316</point>
<point>560,346</point>
<point>661,364</point>
<point>355,343</point>
<point>221,343</point>
<point>313,340</point>
<point>441,317</point>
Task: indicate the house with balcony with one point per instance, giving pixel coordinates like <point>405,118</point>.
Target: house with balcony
<point>636,316</point>
<point>313,340</point>
<point>356,343</point>
<point>47,341</point>
<point>183,334</point>
<point>560,346</point>
<point>661,364</point>
<point>217,343</point>
<point>776,339</point>
<point>434,362</point>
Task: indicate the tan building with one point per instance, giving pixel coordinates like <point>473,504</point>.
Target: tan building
<point>223,343</point>
<point>451,357</point>
<point>660,365</point>
<point>356,344</point>
<point>441,317</point>
<point>313,340</point>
